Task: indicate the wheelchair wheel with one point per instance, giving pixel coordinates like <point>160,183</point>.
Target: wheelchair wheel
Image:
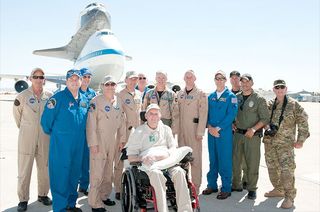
<point>128,192</point>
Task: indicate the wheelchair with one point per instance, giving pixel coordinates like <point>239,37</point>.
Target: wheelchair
<point>138,195</point>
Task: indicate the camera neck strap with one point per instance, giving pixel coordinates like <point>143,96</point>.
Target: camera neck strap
<point>274,106</point>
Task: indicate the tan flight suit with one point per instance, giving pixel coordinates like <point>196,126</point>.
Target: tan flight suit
<point>166,104</point>
<point>144,138</point>
<point>105,121</point>
<point>32,142</point>
<point>131,107</point>
<point>190,119</point>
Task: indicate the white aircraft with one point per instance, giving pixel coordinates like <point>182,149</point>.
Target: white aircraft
<point>93,46</point>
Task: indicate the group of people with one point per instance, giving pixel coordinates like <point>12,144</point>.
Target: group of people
<point>77,136</point>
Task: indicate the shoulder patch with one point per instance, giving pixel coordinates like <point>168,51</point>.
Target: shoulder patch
<point>234,100</point>
<point>16,102</point>
<point>51,103</point>
<point>92,107</point>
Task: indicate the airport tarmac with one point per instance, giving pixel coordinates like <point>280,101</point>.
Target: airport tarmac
<point>307,173</point>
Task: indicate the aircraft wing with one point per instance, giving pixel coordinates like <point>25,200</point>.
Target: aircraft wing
<point>13,76</point>
<point>59,79</point>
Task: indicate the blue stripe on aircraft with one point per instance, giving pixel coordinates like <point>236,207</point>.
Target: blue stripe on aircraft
<point>99,53</point>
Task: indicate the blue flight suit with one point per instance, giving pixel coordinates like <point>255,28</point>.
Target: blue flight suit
<point>84,176</point>
<point>221,113</point>
<point>64,119</point>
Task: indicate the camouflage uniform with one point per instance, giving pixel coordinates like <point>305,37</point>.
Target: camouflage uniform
<point>279,150</point>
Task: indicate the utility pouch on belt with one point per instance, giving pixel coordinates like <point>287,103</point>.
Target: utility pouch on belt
<point>195,120</point>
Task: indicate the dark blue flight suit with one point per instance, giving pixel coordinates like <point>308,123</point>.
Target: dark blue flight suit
<point>64,119</point>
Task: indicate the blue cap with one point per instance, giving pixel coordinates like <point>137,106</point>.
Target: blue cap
<point>72,72</point>
<point>85,71</point>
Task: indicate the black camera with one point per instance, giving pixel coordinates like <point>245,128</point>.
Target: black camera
<point>272,131</point>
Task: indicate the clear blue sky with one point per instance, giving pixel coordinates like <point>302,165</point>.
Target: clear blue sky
<point>267,38</point>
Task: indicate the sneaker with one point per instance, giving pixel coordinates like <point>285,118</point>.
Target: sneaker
<point>22,206</point>
<point>73,209</point>
<point>287,203</point>
<point>84,191</point>
<point>117,195</point>
<point>109,202</point>
<point>98,210</point>
<point>252,195</point>
<point>45,200</point>
<point>274,193</point>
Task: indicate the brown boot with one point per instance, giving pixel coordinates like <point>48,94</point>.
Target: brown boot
<point>287,203</point>
<point>274,193</point>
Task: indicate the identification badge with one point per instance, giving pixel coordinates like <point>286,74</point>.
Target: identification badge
<point>152,138</point>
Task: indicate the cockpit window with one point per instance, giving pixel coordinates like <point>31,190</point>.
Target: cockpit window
<point>92,4</point>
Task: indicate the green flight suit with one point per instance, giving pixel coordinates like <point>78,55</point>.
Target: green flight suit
<point>251,111</point>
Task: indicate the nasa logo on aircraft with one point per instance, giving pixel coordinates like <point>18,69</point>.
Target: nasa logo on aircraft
<point>107,108</point>
<point>32,100</point>
<point>127,101</point>
<point>251,103</point>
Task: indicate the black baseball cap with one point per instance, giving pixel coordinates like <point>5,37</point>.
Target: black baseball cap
<point>236,73</point>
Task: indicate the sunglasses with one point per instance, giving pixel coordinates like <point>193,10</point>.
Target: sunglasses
<point>38,77</point>
<point>87,76</point>
<point>219,78</point>
<point>280,87</point>
<point>110,84</point>
<point>142,78</point>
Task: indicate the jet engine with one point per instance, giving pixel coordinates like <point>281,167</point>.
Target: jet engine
<point>20,85</point>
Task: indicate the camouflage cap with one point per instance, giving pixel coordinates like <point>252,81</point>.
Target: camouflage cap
<point>279,82</point>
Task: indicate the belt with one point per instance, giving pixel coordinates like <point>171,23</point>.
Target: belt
<point>242,131</point>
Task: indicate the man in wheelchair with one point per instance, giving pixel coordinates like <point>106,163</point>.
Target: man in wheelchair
<point>152,142</point>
